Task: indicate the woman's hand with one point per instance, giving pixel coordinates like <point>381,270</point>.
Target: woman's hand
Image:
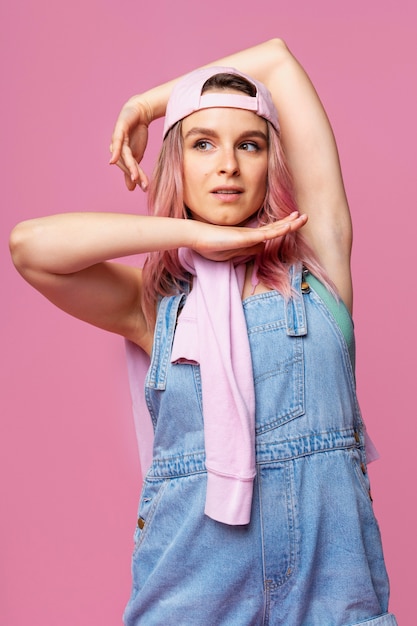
<point>129,139</point>
<point>222,243</point>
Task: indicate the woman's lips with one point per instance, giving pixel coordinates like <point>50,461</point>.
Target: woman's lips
<point>227,194</point>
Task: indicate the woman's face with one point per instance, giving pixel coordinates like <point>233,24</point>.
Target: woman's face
<point>225,164</point>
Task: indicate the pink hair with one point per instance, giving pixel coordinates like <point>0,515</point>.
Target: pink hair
<point>164,275</point>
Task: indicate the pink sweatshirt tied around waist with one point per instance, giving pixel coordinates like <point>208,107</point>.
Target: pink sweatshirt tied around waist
<point>212,332</point>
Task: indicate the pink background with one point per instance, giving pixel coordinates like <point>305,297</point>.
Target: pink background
<point>70,475</point>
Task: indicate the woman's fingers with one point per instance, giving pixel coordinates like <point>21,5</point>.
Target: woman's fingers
<point>221,243</point>
<point>141,180</point>
<point>127,147</point>
<point>120,139</point>
<point>133,174</point>
<point>129,182</point>
<point>291,223</point>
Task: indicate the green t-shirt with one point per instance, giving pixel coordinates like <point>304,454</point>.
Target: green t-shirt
<point>339,311</point>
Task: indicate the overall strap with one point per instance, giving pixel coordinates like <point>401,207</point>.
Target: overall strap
<point>163,337</point>
<point>295,314</point>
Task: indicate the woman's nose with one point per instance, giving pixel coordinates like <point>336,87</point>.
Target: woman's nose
<point>228,163</point>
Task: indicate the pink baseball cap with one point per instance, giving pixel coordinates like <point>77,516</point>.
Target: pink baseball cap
<point>186,97</point>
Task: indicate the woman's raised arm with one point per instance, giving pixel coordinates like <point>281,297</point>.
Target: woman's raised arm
<point>312,155</point>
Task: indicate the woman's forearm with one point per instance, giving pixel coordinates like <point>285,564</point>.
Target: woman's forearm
<point>70,242</point>
<point>259,61</point>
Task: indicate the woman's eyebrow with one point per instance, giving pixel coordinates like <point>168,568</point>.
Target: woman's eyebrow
<point>199,130</point>
<point>210,132</point>
<point>253,133</point>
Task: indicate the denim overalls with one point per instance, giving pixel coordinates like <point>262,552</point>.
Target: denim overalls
<point>311,555</point>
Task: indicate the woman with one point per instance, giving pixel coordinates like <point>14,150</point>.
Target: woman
<point>256,506</point>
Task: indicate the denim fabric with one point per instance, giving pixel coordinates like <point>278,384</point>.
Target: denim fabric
<point>311,555</point>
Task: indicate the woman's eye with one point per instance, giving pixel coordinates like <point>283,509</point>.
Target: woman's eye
<point>249,146</point>
<point>203,145</point>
